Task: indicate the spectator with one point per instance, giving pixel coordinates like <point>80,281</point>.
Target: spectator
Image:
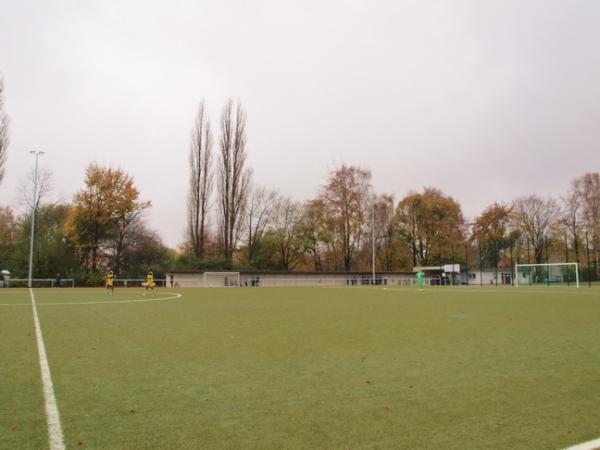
<point>5,278</point>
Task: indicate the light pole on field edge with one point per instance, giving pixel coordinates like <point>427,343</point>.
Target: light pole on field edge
<point>373,239</point>
<point>37,155</point>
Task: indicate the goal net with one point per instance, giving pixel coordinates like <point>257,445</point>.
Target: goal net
<point>549,274</point>
<point>221,279</point>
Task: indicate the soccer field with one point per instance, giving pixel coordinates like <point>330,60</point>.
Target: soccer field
<point>304,368</point>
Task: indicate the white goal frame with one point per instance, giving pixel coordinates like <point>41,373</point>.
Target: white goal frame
<point>229,279</point>
<point>517,266</point>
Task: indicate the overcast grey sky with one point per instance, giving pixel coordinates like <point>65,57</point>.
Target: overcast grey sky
<point>487,100</point>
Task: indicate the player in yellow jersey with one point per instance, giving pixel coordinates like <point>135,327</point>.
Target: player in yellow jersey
<point>109,278</point>
<point>149,284</point>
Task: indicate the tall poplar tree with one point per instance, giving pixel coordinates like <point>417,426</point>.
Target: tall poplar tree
<point>201,182</point>
<point>233,178</point>
<point>4,121</point>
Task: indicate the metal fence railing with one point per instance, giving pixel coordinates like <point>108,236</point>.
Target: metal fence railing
<point>37,282</point>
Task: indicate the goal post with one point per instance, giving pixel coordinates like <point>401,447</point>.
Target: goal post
<point>221,279</point>
<point>549,274</point>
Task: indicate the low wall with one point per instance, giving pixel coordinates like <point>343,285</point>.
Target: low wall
<point>274,279</point>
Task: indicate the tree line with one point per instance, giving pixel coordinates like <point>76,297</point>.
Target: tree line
<point>235,223</point>
<point>257,228</point>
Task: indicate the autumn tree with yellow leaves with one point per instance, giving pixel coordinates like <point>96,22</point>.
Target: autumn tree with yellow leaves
<point>430,223</point>
<point>103,216</point>
<point>346,198</point>
<point>494,233</point>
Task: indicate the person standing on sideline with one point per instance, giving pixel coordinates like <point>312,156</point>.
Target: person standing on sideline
<point>420,276</point>
<point>5,277</point>
<point>110,289</point>
<point>58,278</point>
<point>149,282</point>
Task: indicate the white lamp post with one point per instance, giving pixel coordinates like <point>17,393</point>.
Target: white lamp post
<point>37,155</point>
<point>373,237</point>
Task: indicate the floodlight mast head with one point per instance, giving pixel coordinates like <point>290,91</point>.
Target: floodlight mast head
<point>37,154</point>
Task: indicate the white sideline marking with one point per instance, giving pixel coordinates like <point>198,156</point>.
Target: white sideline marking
<point>589,445</point>
<point>105,302</point>
<point>109,302</point>
<point>55,434</point>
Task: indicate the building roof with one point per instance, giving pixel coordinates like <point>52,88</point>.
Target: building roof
<point>285,272</point>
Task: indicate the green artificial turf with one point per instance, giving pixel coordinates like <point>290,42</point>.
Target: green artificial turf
<point>306,368</point>
<point>22,419</point>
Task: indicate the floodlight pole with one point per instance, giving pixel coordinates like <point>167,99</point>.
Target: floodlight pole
<point>373,238</point>
<point>587,250</point>
<point>37,155</point>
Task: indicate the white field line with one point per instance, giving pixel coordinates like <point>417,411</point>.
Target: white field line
<point>589,445</point>
<point>55,434</point>
<point>477,290</point>
<point>109,302</point>
<point>106,302</point>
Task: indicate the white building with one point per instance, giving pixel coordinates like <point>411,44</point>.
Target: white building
<point>201,278</point>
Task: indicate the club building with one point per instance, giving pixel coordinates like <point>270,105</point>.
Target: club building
<point>452,274</point>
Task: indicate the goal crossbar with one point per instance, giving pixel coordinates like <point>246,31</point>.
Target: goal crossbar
<point>573,264</point>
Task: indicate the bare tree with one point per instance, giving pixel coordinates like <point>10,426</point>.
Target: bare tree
<point>534,218</point>
<point>314,231</point>
<point>589,189</point>
<point>386,232</point>
<point>286,231</point>
<point>4,121</point>
<point>201,182</point>
<point>257,217</point>
<point>571,213</point>
<point>44,187</point>
<point>233,177</point>
<point>127,224</point>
